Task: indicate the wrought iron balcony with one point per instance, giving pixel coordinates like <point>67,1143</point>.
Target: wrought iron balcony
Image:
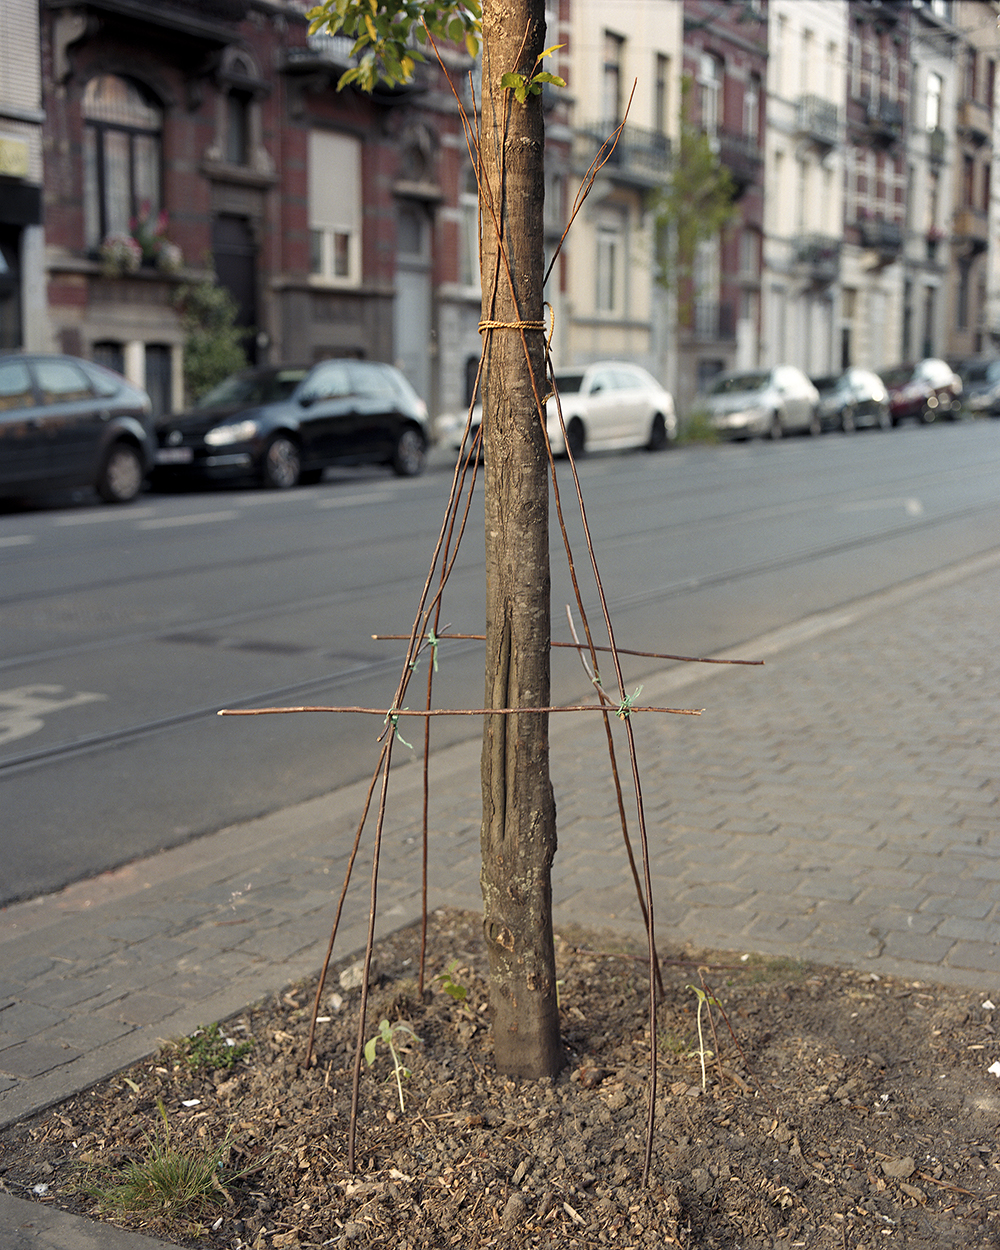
<point>818,119</point>
<point>819,256</point>
<point>742,156</point>
<point>884,237</point>
<point>713,322</point>
<point>884,118</point>
<point>640,157</point>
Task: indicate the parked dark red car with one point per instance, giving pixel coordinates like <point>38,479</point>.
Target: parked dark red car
<point>925,391</point>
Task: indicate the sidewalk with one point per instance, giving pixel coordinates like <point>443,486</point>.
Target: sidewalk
<point>839,804</point>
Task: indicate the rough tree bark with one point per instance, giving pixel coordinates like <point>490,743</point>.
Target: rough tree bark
<point>518,829</point>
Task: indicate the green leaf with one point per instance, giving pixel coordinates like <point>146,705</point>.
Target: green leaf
<point>511,81</point>
<point>554,79</point>
<point>456,29</point>
<point>471,44</point>
<point>548,51</point>
<point>370,1050</point>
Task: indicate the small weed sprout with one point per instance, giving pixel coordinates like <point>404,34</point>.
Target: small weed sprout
<point>388,1034</point>
<point>703,998</point>
<point>454,988</point>
<point>210,1048</point>
<point>170,1182</point>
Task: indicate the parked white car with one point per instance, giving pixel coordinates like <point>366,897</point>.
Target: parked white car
<point>611,404</point>
<point>764,404</point>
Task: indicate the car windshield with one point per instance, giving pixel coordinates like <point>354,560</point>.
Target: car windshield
<point>248,390</point>
<point>898,376</point>
<point>569,383</point>
<point>737,383</point>
<point>829,383</point>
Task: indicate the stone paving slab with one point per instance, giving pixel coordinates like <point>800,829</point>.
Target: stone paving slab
<point>840,804</point>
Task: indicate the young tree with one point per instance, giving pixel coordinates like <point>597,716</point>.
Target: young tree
<point>518,826</point>
<point>697,202</point>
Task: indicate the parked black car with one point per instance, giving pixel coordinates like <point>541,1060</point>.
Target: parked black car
<point>852,399</point>
<point>283,425</point>
<point>980,386</point>
<point>924,391</point>
<point>68,423</point>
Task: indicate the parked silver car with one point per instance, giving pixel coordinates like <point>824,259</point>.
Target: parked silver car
<point>765,403</point>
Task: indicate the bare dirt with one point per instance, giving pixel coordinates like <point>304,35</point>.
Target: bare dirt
<point>854,1112</point>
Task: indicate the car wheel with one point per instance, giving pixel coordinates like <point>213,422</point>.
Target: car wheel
<point>775,430</point>
<point>885,421</point>
<point>576,438</point>
<point>281,465</point>
<point>657,434</point>
<point>310,477</point>
<point>410,456</point>
<point>120,478</point>
<point>815,424</point>
<point>848,424</point>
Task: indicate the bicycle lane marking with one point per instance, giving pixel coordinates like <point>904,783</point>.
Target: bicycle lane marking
<point>24,708</point>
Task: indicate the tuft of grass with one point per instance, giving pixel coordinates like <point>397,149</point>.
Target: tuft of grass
<point>171,1183</point>
<point>696,427</point>
<point>210,1049</point>
<point>765,968</point>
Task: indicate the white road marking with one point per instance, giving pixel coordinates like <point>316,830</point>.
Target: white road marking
<point>17,540</point>
<point>103,514</point>
<point>347,501</point>
<point>912,507</point>
<point>197,518</point>
<point>23,708</point>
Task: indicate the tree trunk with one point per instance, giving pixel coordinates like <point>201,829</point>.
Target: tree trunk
<point>518,831</point>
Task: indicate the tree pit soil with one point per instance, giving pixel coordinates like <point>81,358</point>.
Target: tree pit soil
<point>850,1112</point>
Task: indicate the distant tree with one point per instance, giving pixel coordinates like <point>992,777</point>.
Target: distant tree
<point>213,343</point>
<point>695,205</point>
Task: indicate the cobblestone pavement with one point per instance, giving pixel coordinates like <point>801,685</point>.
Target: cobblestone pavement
<point>839,804</point>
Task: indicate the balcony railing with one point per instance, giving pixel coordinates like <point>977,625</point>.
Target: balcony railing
<point>713,322</point>
<point>884,237</point>
<point>972,227</point>
<point>974,118</point>
<point>640,157</point>
<point>884,118</point>
<point>936,145</point>
<point>819,256</point>
<point>742,156</point>
<point>819,119</point>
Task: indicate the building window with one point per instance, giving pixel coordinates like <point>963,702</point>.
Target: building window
<point>751,107</point>
<point>661,101</point>
<point>238,127</point>
<point>610,263</point>
<point>614,53</point>
<point>334,208</point>
<point>968,181</point>
<point>468,226</point>
<point>750,255</point>
<point>109,354</point>
<point>710,92</point>
<point>121,155</point>
<point>932,118</point>
<point>970,74</point>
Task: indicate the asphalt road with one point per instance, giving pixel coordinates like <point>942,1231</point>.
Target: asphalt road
<point>124,630</point>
